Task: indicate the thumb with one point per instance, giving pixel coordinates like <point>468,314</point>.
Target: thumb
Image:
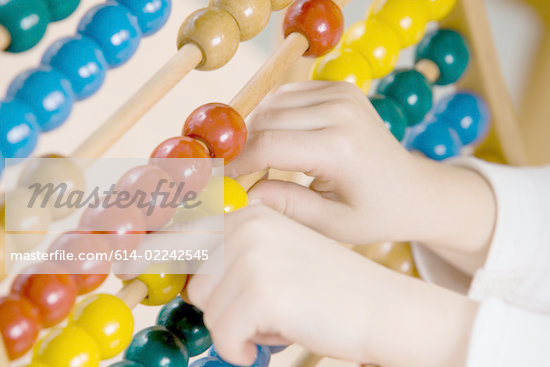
<point>297,202</point>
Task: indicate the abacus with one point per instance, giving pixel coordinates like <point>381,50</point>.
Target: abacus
<point>201,138</point>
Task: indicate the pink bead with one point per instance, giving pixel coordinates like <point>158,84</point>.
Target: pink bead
<point>89,245</point>
<point>155,183</point>
<point>122,228</point>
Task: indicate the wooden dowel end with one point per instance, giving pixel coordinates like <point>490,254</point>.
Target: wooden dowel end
<point>5,38</point>
<point>429,69</point>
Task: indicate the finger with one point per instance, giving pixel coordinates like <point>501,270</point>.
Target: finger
<point>312,117</point>
<point>297,202</point>
<point>284,150</point>
<point>304,95</point>
<point>200,289</point>
<point>233,333</point>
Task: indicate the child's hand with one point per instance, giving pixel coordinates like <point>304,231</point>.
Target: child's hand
<point>367,187</point>
<point>331,132</point>
<point>285,283</point>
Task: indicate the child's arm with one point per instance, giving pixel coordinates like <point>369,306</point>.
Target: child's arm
<point>367,187</point>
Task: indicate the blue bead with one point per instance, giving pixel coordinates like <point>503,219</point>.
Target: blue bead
<point>114,29</point>
<point>18,129</point>
<point>81,60</point>
<point>47,92</point>
<point>437,141</point>
<point>126,364</point>
<point>208,362</point>
<point>274,349</point>
<point>467,114</point>
<point>152,15</point>
<point>262,359</point>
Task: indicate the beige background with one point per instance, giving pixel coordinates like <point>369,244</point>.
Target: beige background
<point>515,27</point>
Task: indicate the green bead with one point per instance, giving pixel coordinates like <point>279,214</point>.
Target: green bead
<point>411,91</point>
<point>155,346</point>
<point>391,114</point>
<point>448,49</point>
<point>61,9</point>
<point>186,322</point>
<point>25,20</point>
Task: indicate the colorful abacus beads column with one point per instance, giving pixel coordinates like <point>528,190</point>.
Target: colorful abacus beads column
<point>24,22</point>
<point>73,68</point>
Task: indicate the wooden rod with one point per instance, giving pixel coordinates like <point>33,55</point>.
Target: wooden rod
<point>4,360</point>
<point>185,60</point>
<point>5,38</point>
<point>133,293</point>
<point>429,69</point>
<point>307,359</point>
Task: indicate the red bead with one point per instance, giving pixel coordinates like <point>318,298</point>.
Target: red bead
<point>88,282</point>
<point>53,294</point>
<point>220,127</point>
<point>122,227</point>
<point>82,244</point>
<point>19,325</point>
<point>320,21</point>
<point>195,173</point>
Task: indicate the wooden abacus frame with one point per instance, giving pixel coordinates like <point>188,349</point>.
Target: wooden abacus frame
<point>483,77</point>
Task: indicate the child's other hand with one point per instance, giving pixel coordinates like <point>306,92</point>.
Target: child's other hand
<point>331,132</point>
<point>284,282</point>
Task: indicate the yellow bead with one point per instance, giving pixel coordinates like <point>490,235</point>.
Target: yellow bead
<point>439,9</point>
<point>161,288</point>
<point>234,196</point>
<point>108,320</point>
<point>408,18</point>
<point>344,65</point>
<point>211,198</point>
<point>377,42</point>
<point>215,32</point>
<point>67,347</point>
<point>251,15</point>
<point>36,364</point>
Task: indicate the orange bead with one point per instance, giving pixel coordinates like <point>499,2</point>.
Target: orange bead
<point>220,127</point>
<point>19,325</point>
<point>88,282</point>
<point>320,21</point>
<point>53,294</point>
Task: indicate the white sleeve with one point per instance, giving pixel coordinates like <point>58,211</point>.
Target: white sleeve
<point>513,287</point>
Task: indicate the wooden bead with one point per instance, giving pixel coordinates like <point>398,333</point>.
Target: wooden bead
<point>280,4</point>
<point>29,220</point>
<point>251,15</point>
<point>391,114</point>
<point>439,9</point>
<point>19,325</point>
<point>108,320</point>
<point>220,127</point>
<point>343,65</point>
<point>157,347</point>
<point>411,91</point>
<point>67,347</point>
<point>62,171</point>
<point>447,49</point>
<point>408,18</point>
<point>186,322</point>
<point>161,288</point>
<point>321,22</point>
<point>377,42</point>
<point>53,294</point>
<point>215,32</point>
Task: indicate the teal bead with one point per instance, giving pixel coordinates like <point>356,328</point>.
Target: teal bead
<point>391,114</point>
<point>186,322</point>
<point>155,346</point>
<point>25,20</point>
<point>61,9</point>
<point>448,49</point>
<point>126,364</point>
<point>411,91</point>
